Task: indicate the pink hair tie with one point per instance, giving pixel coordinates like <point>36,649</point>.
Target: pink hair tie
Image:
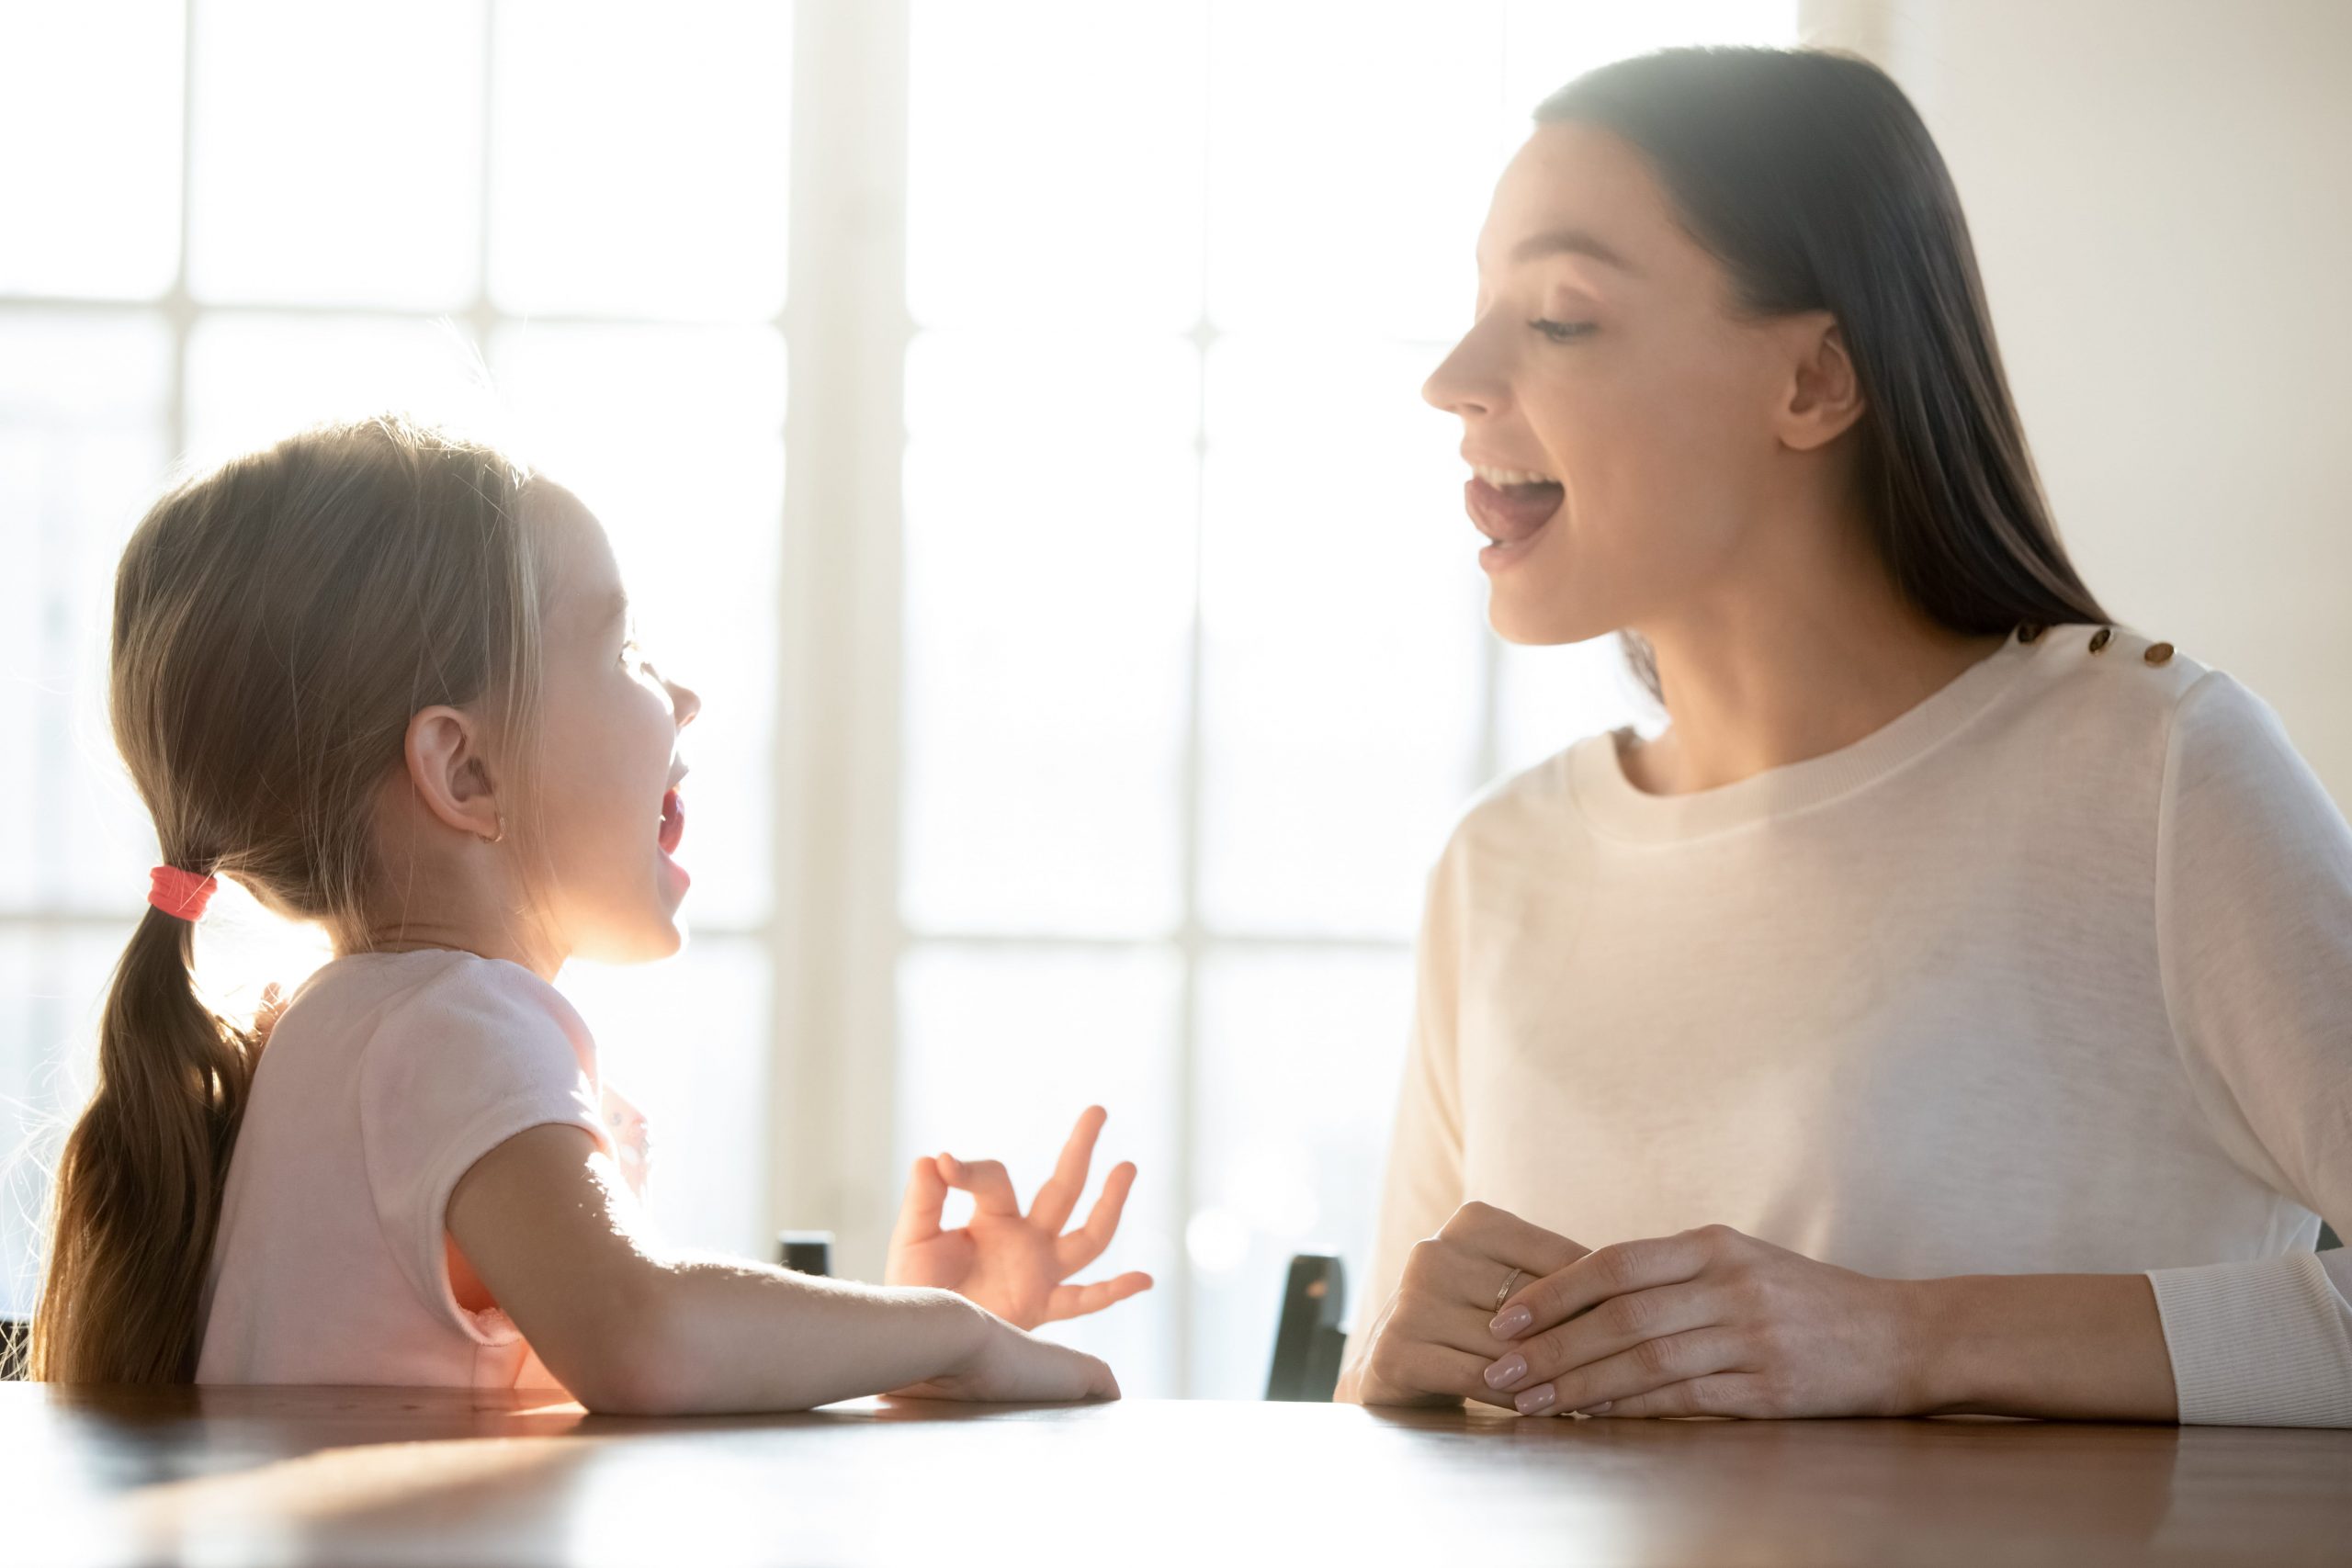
<point>179,894</point>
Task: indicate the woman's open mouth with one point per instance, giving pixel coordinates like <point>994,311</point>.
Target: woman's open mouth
<point>1510,507</point>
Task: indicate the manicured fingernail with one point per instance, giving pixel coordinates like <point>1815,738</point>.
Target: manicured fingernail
<point>1511,1322</point>
<point>1600,1409</point>
<point>1536,1399</point>
<point>1510,1370</point>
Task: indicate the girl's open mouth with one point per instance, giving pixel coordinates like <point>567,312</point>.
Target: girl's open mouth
<point>673,821</point>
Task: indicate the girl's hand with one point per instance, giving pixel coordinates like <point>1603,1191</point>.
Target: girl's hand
<point>1014,1368</point>
<point>1707,1322</point>
<point>1011,1263</point>
<point>1432,1342</point>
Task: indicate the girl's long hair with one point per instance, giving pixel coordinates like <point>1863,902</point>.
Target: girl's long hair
<point>276,623</point>
<point>1812,179</point>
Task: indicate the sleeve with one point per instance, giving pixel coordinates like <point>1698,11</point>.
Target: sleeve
<point>1425,1181</point>
<point>2253,929</point>
<point>482,1053</point>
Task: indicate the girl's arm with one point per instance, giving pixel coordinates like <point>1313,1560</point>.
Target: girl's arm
<point>545,1223</point>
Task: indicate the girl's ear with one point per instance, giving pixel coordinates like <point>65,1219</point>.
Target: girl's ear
<point>449,771</point>
<point>1824,394</point>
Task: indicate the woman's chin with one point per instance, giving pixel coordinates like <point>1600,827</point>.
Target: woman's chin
<point>1531,621</point>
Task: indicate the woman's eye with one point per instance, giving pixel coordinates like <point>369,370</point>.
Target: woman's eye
<point>1563,332</point>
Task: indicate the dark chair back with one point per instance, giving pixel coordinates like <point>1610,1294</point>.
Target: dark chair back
<point>1307,1337</point>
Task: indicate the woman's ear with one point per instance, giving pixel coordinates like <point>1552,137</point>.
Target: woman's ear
<point>1825,395</point>
<point>447,769</point>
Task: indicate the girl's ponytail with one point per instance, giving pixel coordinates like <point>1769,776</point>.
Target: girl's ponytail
<point>138,1189</point>
<point>276,623</point>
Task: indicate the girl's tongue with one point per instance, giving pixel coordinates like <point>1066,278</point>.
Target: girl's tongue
<point>673,821</point>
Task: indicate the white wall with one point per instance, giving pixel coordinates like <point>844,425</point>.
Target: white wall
<point>2161,193</point>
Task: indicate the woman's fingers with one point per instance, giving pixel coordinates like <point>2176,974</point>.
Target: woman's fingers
<point>1083,1246</point>
<point>986,1180</point>
<point>1468,1268</point>
<point>1056,1199</point>
<point>1646,1368</point>
<point>1719,1394</point>
<point>1077,1301</point>
<point>926,1198</point>
<point>1405,1368</point>
<point>1502,1237</point>
<point>1613,1270</point>
<point>1456,1343</point>
<point>1616,1324</point>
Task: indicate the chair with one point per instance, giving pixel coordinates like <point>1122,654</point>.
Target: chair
<point>1308,1339</point>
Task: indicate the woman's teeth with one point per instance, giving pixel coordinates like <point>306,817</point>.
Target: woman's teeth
<point>1502,478</point>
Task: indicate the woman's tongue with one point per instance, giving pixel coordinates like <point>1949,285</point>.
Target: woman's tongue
<point>673,821</point>
<point>1510,513</point>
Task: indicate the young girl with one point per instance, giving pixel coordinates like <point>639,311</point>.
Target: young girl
<point>384,678</point>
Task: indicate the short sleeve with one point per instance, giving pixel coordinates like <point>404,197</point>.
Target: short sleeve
<point>2254,919</point>
<point>483,1051</point>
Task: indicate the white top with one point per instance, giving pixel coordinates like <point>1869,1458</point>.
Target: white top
<point>386,1078</point>
<point>2053,973</point>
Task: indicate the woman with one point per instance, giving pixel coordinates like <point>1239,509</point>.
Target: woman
<point>1951,1010</point>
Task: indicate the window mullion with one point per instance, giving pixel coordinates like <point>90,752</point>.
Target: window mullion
<point>835,939</point>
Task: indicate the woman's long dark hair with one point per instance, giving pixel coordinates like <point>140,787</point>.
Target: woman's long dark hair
<point>1811,177</point>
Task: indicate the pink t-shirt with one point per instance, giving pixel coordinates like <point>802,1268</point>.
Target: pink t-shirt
<point>386,1078</point>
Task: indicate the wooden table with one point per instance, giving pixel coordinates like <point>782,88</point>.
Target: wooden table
<point>258,1477</point>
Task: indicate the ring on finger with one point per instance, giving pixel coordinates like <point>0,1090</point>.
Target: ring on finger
<point>1511,1283</point>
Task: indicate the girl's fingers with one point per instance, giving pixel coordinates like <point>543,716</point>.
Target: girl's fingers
<point>986,1180</point>
<point>1616,1324</point>
<point>926,1198</point>
<point>1083,1246</point>
<point>1646,1368</point>
<point>1077,1301</point>
<point>1059,1195</point>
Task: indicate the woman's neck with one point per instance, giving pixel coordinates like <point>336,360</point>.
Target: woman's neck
<point>1791,659</point>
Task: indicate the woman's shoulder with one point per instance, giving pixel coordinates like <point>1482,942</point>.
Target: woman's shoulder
<point>2110,677</point>
<point>1530,805</point>
<point>2112,691</point>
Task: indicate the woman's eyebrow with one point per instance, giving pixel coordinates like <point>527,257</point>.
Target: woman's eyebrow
<point>1572,241</point>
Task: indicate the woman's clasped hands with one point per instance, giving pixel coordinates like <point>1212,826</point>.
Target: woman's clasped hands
<point>1708,1322</point>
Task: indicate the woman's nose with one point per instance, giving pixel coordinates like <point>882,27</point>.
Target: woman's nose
<point>1459,384</point>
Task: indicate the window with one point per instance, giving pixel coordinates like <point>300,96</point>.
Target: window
<point>586,213</point>
<point>1196,676</point>
<point>1091,744</point>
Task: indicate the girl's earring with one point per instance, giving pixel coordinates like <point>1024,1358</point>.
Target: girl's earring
<point>497,837</point>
